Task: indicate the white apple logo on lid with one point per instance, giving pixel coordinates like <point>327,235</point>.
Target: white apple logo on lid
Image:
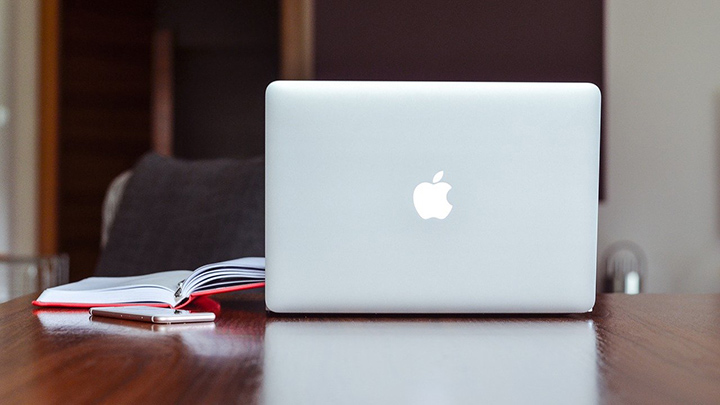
<point>431,199</point>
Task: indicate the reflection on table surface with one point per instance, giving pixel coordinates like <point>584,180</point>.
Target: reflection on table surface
<point>390,360</point>
<point>319,362</point>
<point>198,339</point>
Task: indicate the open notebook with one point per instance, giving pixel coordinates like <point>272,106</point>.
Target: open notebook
<point>174,289</point>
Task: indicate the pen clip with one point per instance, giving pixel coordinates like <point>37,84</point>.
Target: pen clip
<point>178,292</point>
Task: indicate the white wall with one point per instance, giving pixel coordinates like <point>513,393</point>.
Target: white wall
<point>25,126</point>
<point>5,134</point>
<point>19,36</point>
<point>662,151</point>
<point>19,115</point>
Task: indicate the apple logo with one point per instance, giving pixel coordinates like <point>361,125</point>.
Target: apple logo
<point>431,199</point>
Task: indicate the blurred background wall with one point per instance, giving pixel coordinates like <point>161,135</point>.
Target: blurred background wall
<point>660,76</point>
<point>19,122</point>
<point>662,99</point>
<point>225,52</point>
<point>5,140</point>
<point>19,37</point>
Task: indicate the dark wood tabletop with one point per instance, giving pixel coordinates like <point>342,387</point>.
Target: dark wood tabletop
<point>651,349</point>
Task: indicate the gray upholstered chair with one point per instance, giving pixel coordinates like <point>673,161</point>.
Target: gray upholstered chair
<point>169,214</point>
<point>110,205</point>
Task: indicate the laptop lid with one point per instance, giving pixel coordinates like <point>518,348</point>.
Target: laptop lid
<point>431,197</point>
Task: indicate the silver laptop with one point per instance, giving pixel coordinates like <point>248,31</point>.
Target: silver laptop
<point>431,197</point>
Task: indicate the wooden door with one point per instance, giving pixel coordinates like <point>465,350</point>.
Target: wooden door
<point>96,80</point>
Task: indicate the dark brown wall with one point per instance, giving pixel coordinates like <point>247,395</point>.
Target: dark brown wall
<point>511,40</point>
<point>104,113</point>
<point>225,54</point>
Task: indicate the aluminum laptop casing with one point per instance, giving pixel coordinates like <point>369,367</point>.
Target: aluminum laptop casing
<point>343,160</point>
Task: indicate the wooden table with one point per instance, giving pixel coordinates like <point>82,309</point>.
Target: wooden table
<point>650,349</point>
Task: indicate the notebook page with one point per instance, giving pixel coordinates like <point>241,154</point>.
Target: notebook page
<point>158,287</point>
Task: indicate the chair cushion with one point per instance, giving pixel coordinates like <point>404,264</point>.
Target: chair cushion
<point>178,214</point>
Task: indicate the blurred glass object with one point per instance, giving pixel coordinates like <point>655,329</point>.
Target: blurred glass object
<point>31,274</point>
<point>625,268</point>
